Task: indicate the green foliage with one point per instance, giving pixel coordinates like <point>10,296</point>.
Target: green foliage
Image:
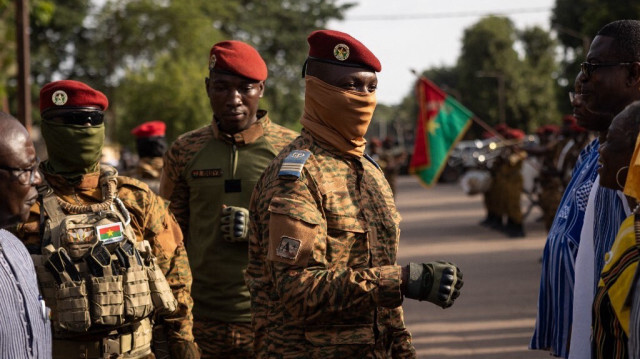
<point>576,24</point>
<point>489,62</point>
<point>172,91</point>
<point>278,29</point>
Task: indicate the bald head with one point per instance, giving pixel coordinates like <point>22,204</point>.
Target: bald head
<point>13,136</point>
<point>17,160</point>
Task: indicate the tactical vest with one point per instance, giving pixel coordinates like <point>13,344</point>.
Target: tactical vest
<point>98,282</point>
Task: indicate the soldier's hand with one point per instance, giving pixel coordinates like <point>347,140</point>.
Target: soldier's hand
<point>437,282</point>
<point>234,224</point>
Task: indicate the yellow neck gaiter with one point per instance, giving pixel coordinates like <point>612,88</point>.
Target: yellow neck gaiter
<point>336,116</point>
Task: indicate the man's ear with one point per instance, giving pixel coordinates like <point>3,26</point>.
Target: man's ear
<point>634,75</point>
<point>262,84</point>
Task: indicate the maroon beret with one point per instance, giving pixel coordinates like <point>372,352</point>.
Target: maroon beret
<point>515,134</point>
<point>339,48</point>
<point>237,58</point>
<point>150,129</point>
<point>70,94</point>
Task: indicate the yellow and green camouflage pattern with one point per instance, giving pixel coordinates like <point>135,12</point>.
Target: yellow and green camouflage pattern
<point>322,267</point>
<point>150,220</point>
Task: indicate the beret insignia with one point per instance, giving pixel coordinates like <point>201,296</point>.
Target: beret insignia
<point>341,52</point>
<point>212,61</point>
<point>59,98</point>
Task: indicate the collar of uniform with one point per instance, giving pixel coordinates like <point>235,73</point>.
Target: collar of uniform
<point>246,136</point>
<point>325,146</point>
<point>61,185</point>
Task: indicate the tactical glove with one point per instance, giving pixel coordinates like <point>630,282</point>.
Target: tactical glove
<point>234,224</point>
<point>437,282</point>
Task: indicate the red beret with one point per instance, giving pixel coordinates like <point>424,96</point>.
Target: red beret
<point>150,129</point>
<point>569,119</point>
<point>547,129</point>
<point>237,58</point>
<point>70,94</point>
<point>515,134</point>
<point>339,48</point>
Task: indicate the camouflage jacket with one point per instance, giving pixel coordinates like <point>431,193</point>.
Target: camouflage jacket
<point>322,267</point>
<point>204,170</point>
<point>150,220</point>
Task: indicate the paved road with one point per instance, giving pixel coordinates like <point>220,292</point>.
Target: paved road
<point>495,315</point>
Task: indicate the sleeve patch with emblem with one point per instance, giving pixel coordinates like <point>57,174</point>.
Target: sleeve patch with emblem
<point>293,163</point>
<point>288,248</point>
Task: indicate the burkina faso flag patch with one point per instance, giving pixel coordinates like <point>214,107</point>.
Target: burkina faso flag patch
<point>110,233</point>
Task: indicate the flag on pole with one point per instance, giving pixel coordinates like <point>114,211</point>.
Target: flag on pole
<point>442,121</point>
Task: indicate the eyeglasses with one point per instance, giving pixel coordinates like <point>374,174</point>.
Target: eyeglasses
<point>79,117</point>
<point>25,176</point>
<point>588,68</point>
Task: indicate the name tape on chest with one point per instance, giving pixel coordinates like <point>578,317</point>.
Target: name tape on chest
<point>293,163</point>
<point>288,248</point>
<point>204,173</point>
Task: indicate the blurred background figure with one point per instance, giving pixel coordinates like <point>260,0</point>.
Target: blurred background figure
<point>394,157</point>
<point>151,146</point>
<point>549,181</point>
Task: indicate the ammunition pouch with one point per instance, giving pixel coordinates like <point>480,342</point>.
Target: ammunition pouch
<point>134,341</point>
<point>163,299</point>
<point>72,306</point>
<point>107,302</point>
<point>137,296</point>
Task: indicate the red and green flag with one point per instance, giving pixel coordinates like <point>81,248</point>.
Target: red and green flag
<point>110,232</point>
<point>442,121</point>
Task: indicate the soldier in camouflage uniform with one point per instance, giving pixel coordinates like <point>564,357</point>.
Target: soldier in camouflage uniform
<point>73,131</point>
<point>209,176</point>
<point>322,271</point>
<point>151,146</point>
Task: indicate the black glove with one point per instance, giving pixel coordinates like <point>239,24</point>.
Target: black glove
<point>234,224</point>
<point>437,282</point>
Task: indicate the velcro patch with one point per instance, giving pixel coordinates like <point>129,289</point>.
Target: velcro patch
<point>294,162</point>
<point>210,172</point>
<point>288,248</point>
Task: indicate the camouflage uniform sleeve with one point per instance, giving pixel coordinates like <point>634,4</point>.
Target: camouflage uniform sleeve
<point>165,237</point>
<point>174,188</point>
<point>307,283</point>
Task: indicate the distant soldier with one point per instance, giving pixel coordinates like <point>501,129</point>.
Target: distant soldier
<point>151,146</point>
<point>322,270</point>
<point>493,197</point>
<point>513,157</point>
<point>549,178</point>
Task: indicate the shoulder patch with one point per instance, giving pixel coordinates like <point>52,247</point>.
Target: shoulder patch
<point>372,161</point>
<point>294,162</point>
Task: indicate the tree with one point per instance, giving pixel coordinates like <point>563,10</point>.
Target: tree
<point>278,29</point>
<point>490,71</point>
<point>576,23</point>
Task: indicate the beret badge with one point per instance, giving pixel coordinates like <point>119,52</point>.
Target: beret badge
<point>341,52</point>
<point>59,98</point>
<point>212,61</point>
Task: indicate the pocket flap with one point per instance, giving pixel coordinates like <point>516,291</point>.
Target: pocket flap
<point>297,209</point>
<point>344,223</point>
<point>340,334</point>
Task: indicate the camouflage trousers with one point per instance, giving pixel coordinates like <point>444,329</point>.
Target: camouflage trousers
<point>224,340</point>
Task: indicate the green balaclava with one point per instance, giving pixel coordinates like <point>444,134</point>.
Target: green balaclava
<point>74,150</point>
